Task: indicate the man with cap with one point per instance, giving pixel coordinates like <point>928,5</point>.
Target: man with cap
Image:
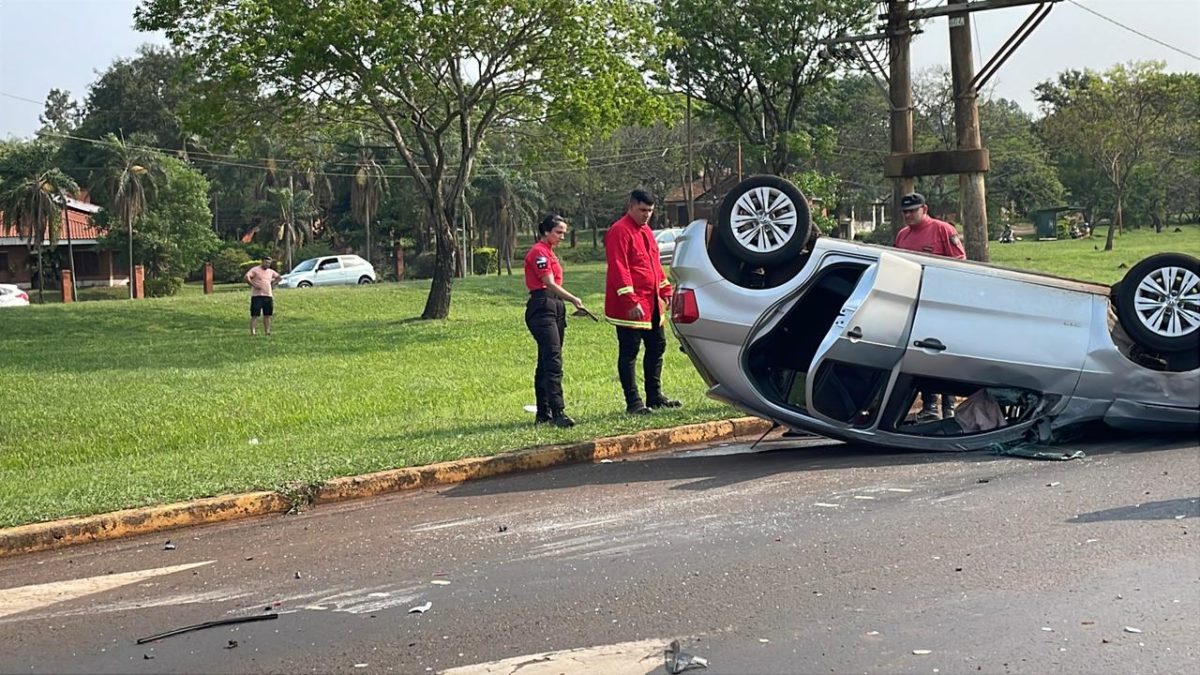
<point>928,235</point>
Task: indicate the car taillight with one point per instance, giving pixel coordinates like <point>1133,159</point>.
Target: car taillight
<point>683,306</point>
<point>23,295</point>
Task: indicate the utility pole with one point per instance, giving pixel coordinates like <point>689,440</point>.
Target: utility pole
<point>972,195</point>
<point>900,98</point>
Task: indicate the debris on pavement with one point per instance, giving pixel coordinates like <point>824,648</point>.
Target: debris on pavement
<point>420,609</point>
<point>1032,451</point>
<point>1131,629</point>
<point>146,657</point>
<point>297,575</point>
<point>168,546</point>
<point>209,624</point>
<point>679,660</point>
<point>922,652</point>
<point>440,582</point>
<point>502,528</point>
<point>232,644</point>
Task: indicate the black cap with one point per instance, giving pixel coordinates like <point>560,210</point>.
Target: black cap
<point>911,201</point>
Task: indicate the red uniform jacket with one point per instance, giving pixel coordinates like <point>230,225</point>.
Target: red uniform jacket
<point>635,277</point>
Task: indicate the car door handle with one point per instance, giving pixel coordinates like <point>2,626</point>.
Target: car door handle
<point>930,343</point>
<point>854,333</point>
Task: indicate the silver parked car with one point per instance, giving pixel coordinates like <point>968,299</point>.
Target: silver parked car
<point>330,270</point>
<point>838,338</point>
<point>666,243</point>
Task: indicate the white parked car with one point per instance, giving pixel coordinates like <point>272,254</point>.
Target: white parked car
<point>330,270</point>
<point>12,296</point>
<point>666,243</point>
<point>838,338</point>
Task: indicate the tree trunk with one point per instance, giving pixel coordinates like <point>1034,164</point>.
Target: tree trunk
<point>41,276</point>
<point>437,305</point>
<point>1116,223</point>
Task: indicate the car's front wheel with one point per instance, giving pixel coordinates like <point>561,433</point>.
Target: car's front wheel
<point>1158,302</point>
<point>304,284</point>
<point>364,279</point>
<point>764,220</point>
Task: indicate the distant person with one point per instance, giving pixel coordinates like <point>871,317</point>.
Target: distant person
<point>635,301</point>
<point>928,235</point>
<point>262,280</point>
<point>546,319</point>
<point>1007,236</point>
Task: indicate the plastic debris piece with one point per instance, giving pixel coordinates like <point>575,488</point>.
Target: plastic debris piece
<point>873,632</point>
<point>232,644</point>
<point>1048,629</point>
<point>440,582</point>
<point>168,546</point>
<point>1031,451</point>
<point>922,652</point>
<point>1131,629</point>
<point>254,441</point>
<point>678,660</point>
<point>826,505</point>
<point>606,461</point>
<point>360,665</point>
<point>502,528</point>
<point>420,609</point>
<point>297,575</point>
<point>763,640</point>
<point>530,408</point>
<point>1053,484</point>
<point>146,657</point>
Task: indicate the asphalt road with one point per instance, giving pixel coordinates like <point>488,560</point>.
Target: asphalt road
<point>797,557</point>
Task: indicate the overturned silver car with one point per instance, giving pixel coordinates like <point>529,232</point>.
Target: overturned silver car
<point>838,338</point>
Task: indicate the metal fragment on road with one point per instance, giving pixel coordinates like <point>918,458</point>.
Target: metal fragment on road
<point>678,660</point>
<point>420,609</point>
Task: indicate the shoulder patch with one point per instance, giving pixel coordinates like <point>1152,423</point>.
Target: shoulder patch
<point>542,262</point>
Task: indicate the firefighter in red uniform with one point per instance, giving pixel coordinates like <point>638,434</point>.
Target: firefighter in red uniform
<point>635,298</point>
<point>546,318</point>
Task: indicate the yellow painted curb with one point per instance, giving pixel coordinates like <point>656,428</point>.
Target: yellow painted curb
<point>132,522</point>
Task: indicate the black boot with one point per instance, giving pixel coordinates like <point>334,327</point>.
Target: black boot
<point>560,420</point>
<point>661,401</point>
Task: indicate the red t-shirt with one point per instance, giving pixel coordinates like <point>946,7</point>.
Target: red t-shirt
<point>539,262</point>
<point>931,236</point>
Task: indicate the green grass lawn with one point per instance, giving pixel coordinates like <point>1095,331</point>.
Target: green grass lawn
<point>116,404</point>
<point>1086,259</point>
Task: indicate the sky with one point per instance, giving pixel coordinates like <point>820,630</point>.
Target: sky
<point>64,44</point>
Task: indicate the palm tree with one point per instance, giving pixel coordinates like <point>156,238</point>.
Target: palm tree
<point>366,191</point>
<point>288,215</point>
<point>504,200</point>
<point>33,192</point>
<point>130,173</point>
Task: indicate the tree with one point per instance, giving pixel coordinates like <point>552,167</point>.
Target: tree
<point>434,76</point>
<point>130,173</point>
<point>1117,120</point>
<point>1022,177</point>
<point>503,199</point>
<point>366,191</point>
<point>61,114</point>
<point>757,62</point>
<point>174,235</point>
<point>33,192</point>
<point>287,214</point>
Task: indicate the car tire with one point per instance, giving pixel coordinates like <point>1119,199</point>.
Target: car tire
<point>364,279</point>
<point>764,220</point>
<point>1158,303</point>
<point>304,284</point>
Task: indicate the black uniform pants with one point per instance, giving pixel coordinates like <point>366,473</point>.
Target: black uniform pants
<point>629,341</point>
<point>546,318</point>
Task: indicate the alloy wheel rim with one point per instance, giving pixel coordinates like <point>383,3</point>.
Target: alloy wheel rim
<point>1167,301</point>
<point>764,220</point>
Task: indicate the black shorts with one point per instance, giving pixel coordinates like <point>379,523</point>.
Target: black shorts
<point>261,304</point>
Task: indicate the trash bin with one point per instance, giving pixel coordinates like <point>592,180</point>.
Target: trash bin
<point>1045,223</point>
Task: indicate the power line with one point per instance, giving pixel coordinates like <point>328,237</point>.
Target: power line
<point>1134,30</point>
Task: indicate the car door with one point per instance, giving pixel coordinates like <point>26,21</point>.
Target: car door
<point>977,325</point>
<point>853,367</point>
<point>352,268</point>
<point>329,272</point>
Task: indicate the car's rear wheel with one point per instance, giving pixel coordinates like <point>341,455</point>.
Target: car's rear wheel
<point>764,220</point>
<point>1158,302</point>
<point>364,279</point>
<point>304,284</point>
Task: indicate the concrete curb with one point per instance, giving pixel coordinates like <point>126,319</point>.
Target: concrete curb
<point>132,522</point>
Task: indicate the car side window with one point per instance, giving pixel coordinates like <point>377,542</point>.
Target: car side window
<point>352,261</point>
<point>331,264</point>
